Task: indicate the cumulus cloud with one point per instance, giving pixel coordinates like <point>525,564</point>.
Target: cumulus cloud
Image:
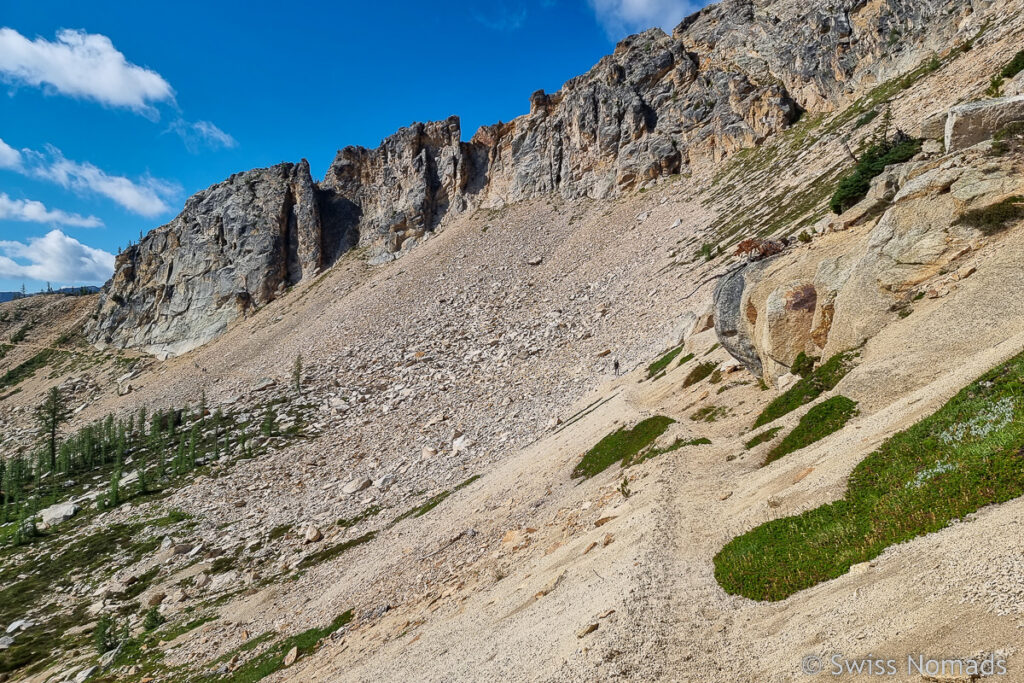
<point>622,17</point>
<point>202,134</point>
<point>31,211</point>
<point>9,157</point>
<point>83,65</point>
<point>55,257</point>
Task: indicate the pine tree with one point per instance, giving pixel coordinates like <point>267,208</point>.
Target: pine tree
<point>297,374</point>
<point>114,495</point>
<point>269,424</point>
<point>201,416</point>
<point>193,438</point>
<point>140,467</point>
<point>49,417</point>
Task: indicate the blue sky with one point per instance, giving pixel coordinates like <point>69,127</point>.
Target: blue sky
<point>113,112</point>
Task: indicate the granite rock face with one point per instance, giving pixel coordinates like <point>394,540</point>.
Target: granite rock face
<point>406,186</point>
<point>234,247</point>
<point>728,77</point>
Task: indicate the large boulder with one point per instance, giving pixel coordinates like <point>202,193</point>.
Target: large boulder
<point>933,126</point>
<point>969,124</point>
<point>55,514</point>
<point>733,325</point>
<point>786,325</point>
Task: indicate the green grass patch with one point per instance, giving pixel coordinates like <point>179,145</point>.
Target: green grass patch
<point>334,551</point>
<point>823,419</point>
<point>432,502</point>
<point>272,660</point>
<point>866,119</point>
<point>663,362</point>
<point>655,452</point>
<point>702,371</point>
<point>967,455</point>
<point>993,219</point>
<point>764,437</point>
<point>280,531</point>
<point>822,379</point>
<point>621,445</point>
<point>854,187</point>
<point>27,584</point>
<point>466,483</point>
<point>18,374</point>
<point>1014,67</point>
<point>362,516</point>
<point>709,414</point>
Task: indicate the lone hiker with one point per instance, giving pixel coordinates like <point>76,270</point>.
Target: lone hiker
<point>615,366</point>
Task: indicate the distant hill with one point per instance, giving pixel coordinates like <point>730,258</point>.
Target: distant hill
<point>11,296</point>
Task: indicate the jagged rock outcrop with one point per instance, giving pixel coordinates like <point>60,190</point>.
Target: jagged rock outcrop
<point>727,78</point>
<point>404,187</point>
<point>234,247</point>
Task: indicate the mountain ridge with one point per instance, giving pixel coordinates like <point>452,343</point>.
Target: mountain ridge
<point>659,106</point>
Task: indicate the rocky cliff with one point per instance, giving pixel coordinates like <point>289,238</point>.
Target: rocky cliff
<point>234,247</point>
<point>726,79</point>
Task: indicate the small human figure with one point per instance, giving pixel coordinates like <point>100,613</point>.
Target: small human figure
<point>615,365</point>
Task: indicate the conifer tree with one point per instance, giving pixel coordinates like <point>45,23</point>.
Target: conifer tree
<point>49,416</point>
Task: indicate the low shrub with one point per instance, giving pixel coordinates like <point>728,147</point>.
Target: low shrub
<point>803,365</point>
<point>822,379</point>
<point>823,419</point>
<point>854,187</point>
<point>152,620</point>
<point>621,445</point>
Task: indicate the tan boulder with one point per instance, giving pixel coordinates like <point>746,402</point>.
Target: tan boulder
<point>974,122</point>
<point>785,326</point>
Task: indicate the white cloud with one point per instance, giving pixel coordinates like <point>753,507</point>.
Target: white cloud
<point>202,133</point>
<point>9,157</point>
<point>622,17</point>
<point>55,257</point>
<point>84,65</point>
<point>146,196</point>
<point>31,211</point>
